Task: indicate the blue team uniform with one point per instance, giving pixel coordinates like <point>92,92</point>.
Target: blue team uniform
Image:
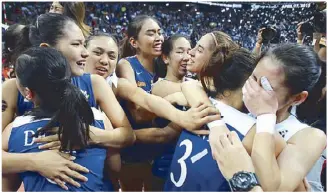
<point>144,80</point>
<point>193,167</point>
<point>93,157</point>
<point>83,82</point>
<point>85,85</point>
<point>162,162</point>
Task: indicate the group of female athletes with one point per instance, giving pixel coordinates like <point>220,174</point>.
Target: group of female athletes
<point>87,113</point>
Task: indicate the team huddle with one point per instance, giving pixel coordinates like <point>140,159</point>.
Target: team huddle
<point>88,113</point>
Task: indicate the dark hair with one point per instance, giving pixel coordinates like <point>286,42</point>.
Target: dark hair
<point>76,11</point>
<point>300,64</point>
<point>234,71</point>
<point>167,47</point>
<point>99,34</point>
<point>133,30</point>
<point>48,28</point>
<point>16,40</point>
<point>46,72</point>
<point>302,70</point>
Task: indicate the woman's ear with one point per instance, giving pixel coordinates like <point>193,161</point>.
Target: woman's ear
<point>29,95</point>
<point>133,42</point>
<point>165,59</point>
<point>300,98</point>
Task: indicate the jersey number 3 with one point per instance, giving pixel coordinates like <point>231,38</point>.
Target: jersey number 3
<point>182,162</point>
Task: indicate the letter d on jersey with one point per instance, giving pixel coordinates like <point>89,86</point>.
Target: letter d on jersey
<point>27,137</point>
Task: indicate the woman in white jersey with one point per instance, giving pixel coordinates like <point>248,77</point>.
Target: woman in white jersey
<point>291,86</point>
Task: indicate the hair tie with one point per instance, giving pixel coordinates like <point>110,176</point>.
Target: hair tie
<point>216,42</point>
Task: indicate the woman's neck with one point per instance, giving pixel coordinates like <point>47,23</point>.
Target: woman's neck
<point>147,62</point>
<point>173,77</point>
<point>282,114</point>
<point>232,98</point>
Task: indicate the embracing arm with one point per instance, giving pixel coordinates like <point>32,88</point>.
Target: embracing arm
<point>158,135</point>
<point>105,98</point>
<point>163,108</point>
<point>194,93</point>
<point>139,113</point>
<point>9,97</point>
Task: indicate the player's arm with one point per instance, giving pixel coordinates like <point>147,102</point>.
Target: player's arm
<point>164,88</point>
<point>193,118</point>
<point>158,135</point>
<point>113,154</point>
<point>297,157</point>
<point>139,114</point>
<point>105,98</point>
<point>9,101</point>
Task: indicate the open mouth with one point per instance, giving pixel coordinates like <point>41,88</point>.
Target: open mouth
<point>81,64</point>
<point>158,47</point>
<point>101,71</point>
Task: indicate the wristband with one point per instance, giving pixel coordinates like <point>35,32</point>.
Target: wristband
<point>266,123</point>
<point>215,123</point>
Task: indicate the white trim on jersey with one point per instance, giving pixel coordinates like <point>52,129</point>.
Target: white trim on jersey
<point>289,127</point>
<point>23,120</point>
<point>238,120</point>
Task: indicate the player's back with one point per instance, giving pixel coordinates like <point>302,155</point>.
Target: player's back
<point>193,167</point>
<point>93,158</point>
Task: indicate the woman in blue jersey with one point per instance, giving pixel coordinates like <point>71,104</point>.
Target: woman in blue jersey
<point>67,38</point>
<point>102,61</point>
<point>44,77</point>
<point>172,68</point>
<point>293,162</point>
<point>193,167</point>
<point>63,34</point>
<point>141,46</point>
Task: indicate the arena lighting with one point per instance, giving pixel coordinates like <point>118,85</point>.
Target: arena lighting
<point>195,9</point>
<point>187,5</point>
<point>179,10</point>
<point>167,4</point>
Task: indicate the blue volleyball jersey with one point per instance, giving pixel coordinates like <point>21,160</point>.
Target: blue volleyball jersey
<point>144,80</point>
<point>193,167</point>
<point>162,162</point>
<point>83,82</point>
<point>93,158</point>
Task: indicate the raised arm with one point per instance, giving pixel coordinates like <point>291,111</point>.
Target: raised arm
<point>296,158</point>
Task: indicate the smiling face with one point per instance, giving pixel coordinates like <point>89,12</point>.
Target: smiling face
<point>71,45</point>
<point>103,56</point>
<point>200,54</point>
<point>178,57</point>
<point>150,38</point>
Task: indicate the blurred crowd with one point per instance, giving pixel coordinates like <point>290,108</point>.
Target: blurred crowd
<point>191,19</point>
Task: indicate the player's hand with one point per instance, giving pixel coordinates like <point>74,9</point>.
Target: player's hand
<point>257,100</point>
<point>51,141</point>
<point>59,168</point>
<point>199,115</point>
<point>298,31</point>
<point>259,36</point>
<point>231,156</point>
